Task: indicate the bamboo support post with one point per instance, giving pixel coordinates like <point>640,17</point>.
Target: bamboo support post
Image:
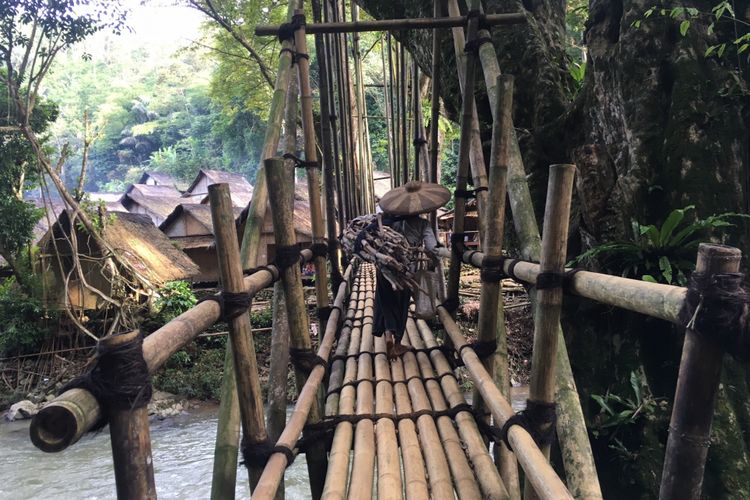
<point>573,435</point>
<point>281,176</point>
<point>538,471</point>
<point>491,314</point>
<point>240,332</point>
<point>311,155</point>
<point>468,115</point>
<point>695,396</point>
<point>396,24</point>
<point>73,413</point>
<point>549,296</point>
<point>437,36</point>
<point>131,442</point>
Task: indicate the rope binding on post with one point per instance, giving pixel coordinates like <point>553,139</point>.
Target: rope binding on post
<point>287,256</point>
<point>536,415</point>
<point>305,360</point>
<point>299,162</point>
<point>286,30</point>
<point>231,304</point>
<point>119,379</point>
<point>492,269</point>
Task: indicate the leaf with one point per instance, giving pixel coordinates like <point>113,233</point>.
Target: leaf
<point>666,268</point>
<point>649,12</point>
<point>722,49</point>
<point>635,383</point>
<point>743,48</point>
<point>710,50</point>
<point>673,220</point>
<point>684,27</point>
<point>600,400</point>
<point>710,30</point>
<point>649,278</point>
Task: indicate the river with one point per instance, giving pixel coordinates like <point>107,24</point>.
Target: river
<point>182,446</point>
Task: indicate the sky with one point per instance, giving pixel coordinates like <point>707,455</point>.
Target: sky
<point>163,21</point>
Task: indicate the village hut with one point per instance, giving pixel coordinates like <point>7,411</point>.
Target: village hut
<point>240,189</point>
<point>156,201</point>
<point>134,239</point>
<point>471,225</point>
<point>190,228</point>
<point>158,179</point>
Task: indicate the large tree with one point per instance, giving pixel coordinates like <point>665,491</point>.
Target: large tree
<point>660,122</point>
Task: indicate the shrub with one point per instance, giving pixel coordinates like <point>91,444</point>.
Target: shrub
<point>174,298</point>
<point>21,331</point>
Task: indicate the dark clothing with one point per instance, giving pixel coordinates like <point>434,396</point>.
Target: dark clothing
<point>392,306</point>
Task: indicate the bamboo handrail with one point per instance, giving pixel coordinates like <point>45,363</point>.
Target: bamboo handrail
<point>73,413</point>
<point>273,473</point>
<point>652,299</point>
<point>396,24</point>
<point>538,471</point>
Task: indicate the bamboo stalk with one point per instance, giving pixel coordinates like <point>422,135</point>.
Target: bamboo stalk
<point>427,396</point>
<point>549,300</point>
<point>695,395</point>
<point>326,134</point>
<point>240,333</point>
<point>436,462</point>
<point>337,480</point>
<point>390,486</point>
<point>281,176</point>
<point>413,456</point>
<point>538,471</point>
<point>131,443</point>
<point>273,473</point>
<point>486,472</point>
<point>388,112</point>
<point>395,24</point>
<point>573,436</point>
<point>73,413</point>
<point>311,154</point>
<point>491,314</point>
<point>403,114</point>
<point>467,122</point>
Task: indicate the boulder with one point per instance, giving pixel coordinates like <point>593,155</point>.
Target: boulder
<point>21,410</point>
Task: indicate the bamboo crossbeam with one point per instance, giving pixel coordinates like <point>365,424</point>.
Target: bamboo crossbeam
<point>396,24</point>
<point>73,413</point>
<point>487,474</point>
<point>273,473</point>
<point>652,299</point>
<point>539,472</point>
<point>240,333</point>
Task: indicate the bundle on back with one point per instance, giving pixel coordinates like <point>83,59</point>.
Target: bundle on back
<point>383,246</point>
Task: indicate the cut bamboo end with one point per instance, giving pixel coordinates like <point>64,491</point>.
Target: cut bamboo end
<point>64,422</point>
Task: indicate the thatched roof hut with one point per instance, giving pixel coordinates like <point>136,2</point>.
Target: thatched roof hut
<point>155,201</point>
<point>240,189</point>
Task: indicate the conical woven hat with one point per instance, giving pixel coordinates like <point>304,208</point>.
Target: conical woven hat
<point>414,198</point>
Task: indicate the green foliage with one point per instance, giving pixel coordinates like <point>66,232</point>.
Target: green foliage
<point>619,412</point>
<point>262,318</point>
<point>661,254</point>
<point>193,375</point>
<point>21,330</point>
<point>174,298</point>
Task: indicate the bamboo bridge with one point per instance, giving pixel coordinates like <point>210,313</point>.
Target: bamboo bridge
<point>366,425</point>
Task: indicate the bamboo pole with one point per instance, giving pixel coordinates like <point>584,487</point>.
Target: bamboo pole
<point>427,395</point>
<point>73,413</point>
<point>388,112</point>
<point>403,113</point>
<point>363,462</point>
<point>390,486</point>
<point>467,122</point>
<point>486,472</point>
<point>536,467</point>
<point>311,155</point>
<point>326,136</point>
<point>695,395</point>
<point>396,24</point>
<point>491,315</point>
<point>281,176</point>
<point>437,36</point>
<point>413,455</point>
<point>344,119</point>
<point>240,333</point>
<point>571,429</point>
<point>343,403</point>
<point>273,473</point>
<point>549,299</point>
<point>395,117</point>
<point>131,442</point>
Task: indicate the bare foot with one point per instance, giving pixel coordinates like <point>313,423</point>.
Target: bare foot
<point>389,345</point>
<point>400,350</point>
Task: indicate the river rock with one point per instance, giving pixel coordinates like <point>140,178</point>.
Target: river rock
<point>21,410</point>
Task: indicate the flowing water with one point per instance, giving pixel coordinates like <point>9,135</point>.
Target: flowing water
<point>183,449</point>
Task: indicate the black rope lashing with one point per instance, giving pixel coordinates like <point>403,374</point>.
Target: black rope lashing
<point>305,360</point>
<point>550,279</point>
<point>512,269</point>
<point>482,348</point>
<point>492,269</point>
<point>324,313</point>
<point>288,453</point>
<point>119,379</point>
<point>299,162</point>
<point>231,304</point>
<point>464,193</point>
<point>272,270</point>
<point>718,307</point>
<point>287,256</point>
<point>419,141</point>
<point>536,415</point>
<point>319,249</point>
<point>569,275</point>
<point>255,455</point>
<point>468,255</point>
<point>286,30</point>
